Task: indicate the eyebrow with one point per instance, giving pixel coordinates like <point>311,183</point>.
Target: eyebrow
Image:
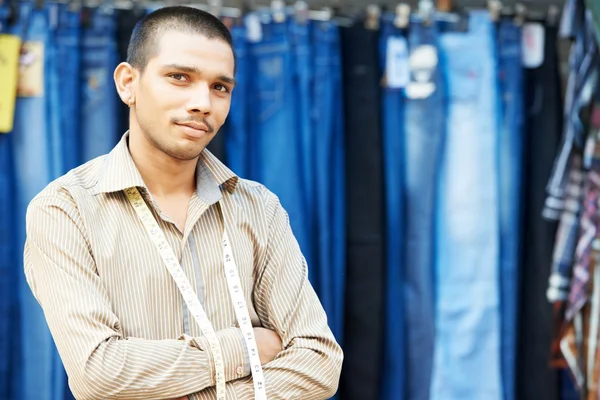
<point>192,70</point>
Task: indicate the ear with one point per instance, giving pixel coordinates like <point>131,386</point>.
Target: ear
<point>125,77</point>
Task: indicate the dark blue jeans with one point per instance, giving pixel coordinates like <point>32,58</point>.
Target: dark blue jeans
<point>7,253</point>
<point>325,144</point>
<point>236,129</point>
<point>393,371</point>
<point>511,166</point>
<point>276,154</point>
<point>68,50</point>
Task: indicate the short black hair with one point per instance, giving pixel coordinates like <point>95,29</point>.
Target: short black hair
<point>144,39</point>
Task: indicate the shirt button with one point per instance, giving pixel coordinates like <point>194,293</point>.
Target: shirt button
<point>240,371</point>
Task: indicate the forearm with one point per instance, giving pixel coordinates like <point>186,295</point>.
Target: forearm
<point>309,369</point>
<point>153,369</point>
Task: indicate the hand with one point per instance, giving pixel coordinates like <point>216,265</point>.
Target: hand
<point>268,343</point>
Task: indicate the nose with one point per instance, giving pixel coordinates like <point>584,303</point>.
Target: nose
<point>199,102</point>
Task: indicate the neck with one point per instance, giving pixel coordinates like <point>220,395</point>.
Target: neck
<point>162,174</point>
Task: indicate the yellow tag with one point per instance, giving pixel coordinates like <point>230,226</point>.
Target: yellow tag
<point>9,68</point>
<point>31,70</point>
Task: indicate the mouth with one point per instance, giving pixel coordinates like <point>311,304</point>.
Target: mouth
<point>194,129</point>
<point>195,126</point>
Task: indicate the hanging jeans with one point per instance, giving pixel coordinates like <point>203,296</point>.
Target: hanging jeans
<point>324,140</point>
<point>424,135</point>
<point>237,129</point>
<point>300,40</point>
<point>277,153</point>
<point>365,217</point>
<point>98,106</point>
<point>392,377</point>
<point>511,166</point>
<point>543,127</point>
<point>8,267</point>
<point>38,371</point>
<point>68,42</point>
<point>467,345</point>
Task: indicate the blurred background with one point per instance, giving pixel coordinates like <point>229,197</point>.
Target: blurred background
<point>440,163</point>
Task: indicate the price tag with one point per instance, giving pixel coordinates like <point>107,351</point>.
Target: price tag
<point>9,75</point>
<point>533,45</point>
<point>31,70</point>
<point>397,68</point>
<point>253,28</point>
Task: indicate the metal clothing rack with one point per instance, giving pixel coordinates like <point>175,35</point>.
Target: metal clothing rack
<point>345,10</point>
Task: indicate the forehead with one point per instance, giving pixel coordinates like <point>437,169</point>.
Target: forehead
<point>193,50</point>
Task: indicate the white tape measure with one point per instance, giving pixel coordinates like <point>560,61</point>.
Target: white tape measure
<point>194,306</point>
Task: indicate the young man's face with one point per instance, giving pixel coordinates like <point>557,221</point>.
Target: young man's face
<point>184,94</point>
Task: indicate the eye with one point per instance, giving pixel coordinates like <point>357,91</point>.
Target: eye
<point>178,77</point>
<point>221,88</point>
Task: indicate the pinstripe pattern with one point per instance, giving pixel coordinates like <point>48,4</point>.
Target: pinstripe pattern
<point>116,314</point>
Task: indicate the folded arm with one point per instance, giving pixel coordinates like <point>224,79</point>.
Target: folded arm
<point>100,361</point>
<point>310,364</point>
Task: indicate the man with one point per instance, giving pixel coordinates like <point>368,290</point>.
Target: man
<point>118,318</point>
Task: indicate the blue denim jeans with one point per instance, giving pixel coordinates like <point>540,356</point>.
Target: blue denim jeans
<point>98,105</point>
<point>467,347</point>
<point>302,72</point>
<point>424,133</point>
<point>37,371</point>
<point>236,129</point>
<point>276,152</point>
<point>511,165</point>
<point>324,142</point>
<point>68,42</point>
<point>392,380</point>
<point>7,253</point>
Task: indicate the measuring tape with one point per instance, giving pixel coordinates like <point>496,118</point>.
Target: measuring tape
<point>194,306</point>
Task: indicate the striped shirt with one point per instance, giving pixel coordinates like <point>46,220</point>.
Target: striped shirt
<point>119,322</point>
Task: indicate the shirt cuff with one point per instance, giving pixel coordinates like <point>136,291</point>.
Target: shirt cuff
<point>246,353</point>
<point>233,350</point>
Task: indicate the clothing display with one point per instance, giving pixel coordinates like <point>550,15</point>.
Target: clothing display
<point>424,171</point>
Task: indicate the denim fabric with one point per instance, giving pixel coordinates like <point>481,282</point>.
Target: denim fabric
<point>468,295</point>
<point>392,379</point>
<point>8,266</point>
<point>7,253</point>
<point>300,39</point>
<point>276,153</point>
<point>365,215</point>
<point>543,120</point>
<point>424,135</point>
<point>35,370</point>
<point>98,105</point>
<point>68,42</point>
<point>325,144</point>
<point>236,129</point>
<point>511,166</point>
<point>338,189</point>
<point>6,247</point>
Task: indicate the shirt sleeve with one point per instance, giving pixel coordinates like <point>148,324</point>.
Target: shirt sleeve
<point>101,363</point>
<point>309,367</point>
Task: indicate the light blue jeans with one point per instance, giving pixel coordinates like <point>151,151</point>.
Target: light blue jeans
<point>467,346</point>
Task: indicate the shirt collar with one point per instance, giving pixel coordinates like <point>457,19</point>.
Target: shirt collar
<point>119,173</point>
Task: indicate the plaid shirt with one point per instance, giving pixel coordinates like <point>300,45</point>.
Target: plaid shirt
<point>566,236</point>
<point>589,229</point>
<point>583,61</point>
